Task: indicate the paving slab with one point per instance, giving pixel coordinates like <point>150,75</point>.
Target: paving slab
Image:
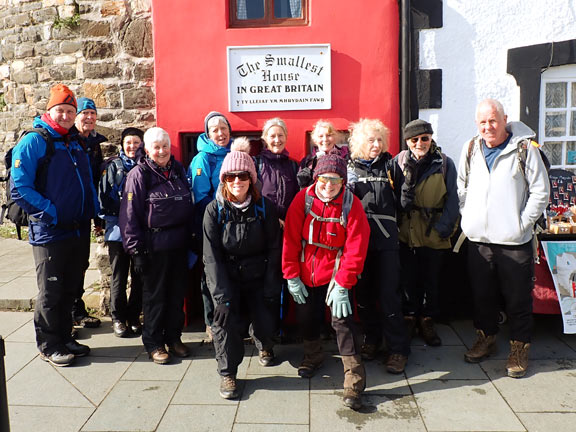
<point>12,321</point>
<point>41,384</point>
<point>286,399</point>
<point>446,333</point>
<point>397,413</point>
<point>444,362</point>
<point>132,406</point>
<point>287,359</point>
<point>18,355</point>
<point>198,418</point>
<point>24,333</point>
<point>144,369</point>
<point>47,419</point>
<point>465,405</point>
<point>105,344</point>
<point>251,427</point>
<point>546,422</point>
<point>549,385</point>
<point>19,293</point>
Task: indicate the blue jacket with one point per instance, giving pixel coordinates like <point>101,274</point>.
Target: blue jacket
<point>110,193</point>
<point>204,171</point>
<point>68,201</point>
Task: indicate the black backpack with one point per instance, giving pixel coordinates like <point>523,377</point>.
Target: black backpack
<point>10,209</point>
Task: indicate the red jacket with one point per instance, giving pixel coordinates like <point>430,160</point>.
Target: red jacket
<point>318,264</point>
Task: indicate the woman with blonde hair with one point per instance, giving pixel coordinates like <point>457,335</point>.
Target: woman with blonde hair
<point>378,293</point>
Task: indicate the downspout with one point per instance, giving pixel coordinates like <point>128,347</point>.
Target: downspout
<point>405,66</point>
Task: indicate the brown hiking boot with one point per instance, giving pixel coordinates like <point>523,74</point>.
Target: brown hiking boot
<point>482,348</point>
<point>428,332</point>
<point>518,359</point>
<point>160,356</point>
<point>396,363</point>
<point>228,389</point>
<point>369,352</point>
<point>410,322</point>
<point>313,358</point>
<point>354,381</point>
<point>266,358</point>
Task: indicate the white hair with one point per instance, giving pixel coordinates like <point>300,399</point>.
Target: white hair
<point>154,135</point>
<point>491,103</point>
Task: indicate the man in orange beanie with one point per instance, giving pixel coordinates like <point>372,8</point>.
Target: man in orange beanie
<point>52,182</point>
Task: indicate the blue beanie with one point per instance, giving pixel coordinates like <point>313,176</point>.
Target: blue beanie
<point>84,104</point>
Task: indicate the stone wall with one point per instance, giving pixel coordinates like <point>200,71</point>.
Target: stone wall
<point>101,49</point>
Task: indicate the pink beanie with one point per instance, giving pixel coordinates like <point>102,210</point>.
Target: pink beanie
<point>238,161</point>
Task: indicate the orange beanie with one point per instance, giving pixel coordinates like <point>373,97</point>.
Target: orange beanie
<point>60,94</point>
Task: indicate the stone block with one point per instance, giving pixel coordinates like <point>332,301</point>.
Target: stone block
<point>114,100</point>
<point>63,33</point>
<point>140,6</point>
<point>137,39</point>
<point>96,92</point>
<point>46,14</point>
<point>24,50</point>
<point>8,51</point>
<point>66,11</point>
<point>34,5</point>
<point>31,34</point>
<point>94,28</point>
<point>127,117</point>
<point>69,47</point>
<point>106,117</point>
<point>47,48</point>
<point>22,19</point>
<point>64,60</point>
<point>144,71</point>
<point>112,8</point>
<point>25,76</point>
<point>147,117</point>
<point>48,3</point>
<point>14,95</point>
<point>100,70</point>
<point>4,71</point>
<point>98,50</point>
<point>62,72</point>
<point>138,98</point>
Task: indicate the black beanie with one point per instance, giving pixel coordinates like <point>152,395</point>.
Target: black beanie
<point>331,163</point>
<point>131,131</point>
<point>215,114</point>
<point>417,127</point>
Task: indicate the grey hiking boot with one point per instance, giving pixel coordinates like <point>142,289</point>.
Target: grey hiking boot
<point>228,389</point>
<point>482,348</point>
<point>517,363</point>
<point>58,358</point>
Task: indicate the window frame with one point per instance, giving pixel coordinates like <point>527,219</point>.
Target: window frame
<point>561,74</point>
<point>268,20</point>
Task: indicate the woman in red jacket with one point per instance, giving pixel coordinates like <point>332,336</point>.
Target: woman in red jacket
<point>325,242</point>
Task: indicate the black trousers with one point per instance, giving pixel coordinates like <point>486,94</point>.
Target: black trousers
<point>60,268</point>
<point>496,272</point>
<point>248,310</point>
<point>379,302</point>
<point>123,308</point>
<point>310,317</point>
<point>419,275</point>
<point>164,287</point>
<point>78,306</point>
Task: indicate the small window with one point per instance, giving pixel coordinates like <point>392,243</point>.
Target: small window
<point>558,116</point>
<point>268,13</point>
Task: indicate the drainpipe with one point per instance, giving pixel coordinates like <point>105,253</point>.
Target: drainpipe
<point>4,423</point>
<point>405,65</point>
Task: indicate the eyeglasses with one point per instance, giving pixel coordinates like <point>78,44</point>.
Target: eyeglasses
<point>422,138</point>
<point>242,176</point>
<point>331,180</point>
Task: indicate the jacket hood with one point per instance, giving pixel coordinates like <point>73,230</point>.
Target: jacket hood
<point>519,131</point>
<point>206,145</point>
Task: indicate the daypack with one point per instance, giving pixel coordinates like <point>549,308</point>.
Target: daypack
<point>10,209</point>
<point>224,213</point>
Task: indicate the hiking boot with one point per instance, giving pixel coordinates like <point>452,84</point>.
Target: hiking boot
<point>77,349</point>
<point>482,348</point>
<point>58,358</point>
<point>136,328</point>
<point>160,356</point>
<point>369,352</point>
<point>313,358</point>
<point>518,359</point>
<point>354,381</point>
<point>178,349</point>
<point>87,322</point>
<point>411,327</point>
<point>120,329</point>
<point>396,363</point>
<point>428,332</point>
<point>266,358</point>
<point>228,388</point>
<point>209,336</point>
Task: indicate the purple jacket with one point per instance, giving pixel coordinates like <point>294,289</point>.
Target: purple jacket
<point>156,211</point>
<point>277,172</point>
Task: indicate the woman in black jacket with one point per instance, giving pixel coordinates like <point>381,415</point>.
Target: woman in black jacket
<point>379,300</point>
<point>242,252</point>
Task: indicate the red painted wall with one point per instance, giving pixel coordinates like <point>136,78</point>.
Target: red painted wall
<point>190,40</point>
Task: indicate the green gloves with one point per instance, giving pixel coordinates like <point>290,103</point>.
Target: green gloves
<point>298,290</point>
<point>339,302</point>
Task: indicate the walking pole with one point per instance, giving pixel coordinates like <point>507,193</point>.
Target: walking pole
<point>4,423</point>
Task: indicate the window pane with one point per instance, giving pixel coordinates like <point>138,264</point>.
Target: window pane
<point>287,8</point>
<point>571,153</point>
<point>555,124</point>
<point>553,150</point>
<point>556,95</point>
<point>573,123</point>
<point>574,94</point>
<point>250,9</point>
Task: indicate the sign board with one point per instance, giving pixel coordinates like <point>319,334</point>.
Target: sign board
<point>279,78</point>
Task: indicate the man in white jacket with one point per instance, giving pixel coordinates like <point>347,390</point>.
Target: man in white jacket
<point>503,189</point>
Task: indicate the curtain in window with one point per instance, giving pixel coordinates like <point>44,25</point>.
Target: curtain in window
<point>287,8</point>
<point>249,9</point>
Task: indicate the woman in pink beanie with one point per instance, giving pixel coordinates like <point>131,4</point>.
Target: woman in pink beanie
<point>242,252</point>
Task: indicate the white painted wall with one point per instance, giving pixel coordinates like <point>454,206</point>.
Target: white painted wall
<point>472,49</point>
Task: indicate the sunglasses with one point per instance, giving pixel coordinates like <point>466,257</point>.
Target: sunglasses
<point>331,180</point>
<point>422,138</point>
<point>242,176</point>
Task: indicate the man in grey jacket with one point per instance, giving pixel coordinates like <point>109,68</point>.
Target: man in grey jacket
<point>503,189</point>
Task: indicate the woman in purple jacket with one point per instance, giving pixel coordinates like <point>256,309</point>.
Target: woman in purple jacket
<point>156,226</point>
